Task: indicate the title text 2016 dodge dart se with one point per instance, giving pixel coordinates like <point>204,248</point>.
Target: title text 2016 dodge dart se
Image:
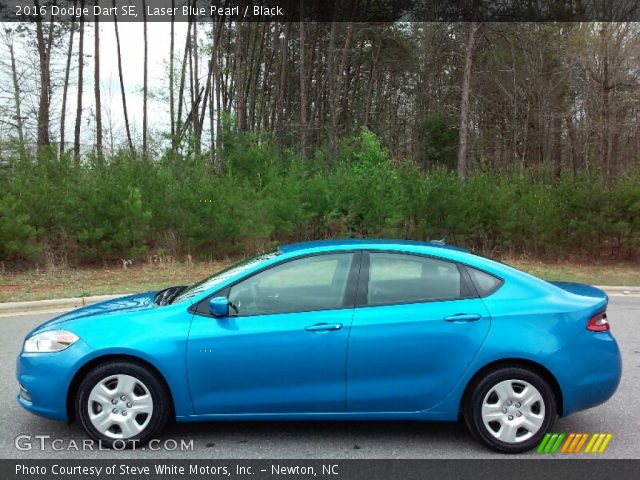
<point>368,329</point>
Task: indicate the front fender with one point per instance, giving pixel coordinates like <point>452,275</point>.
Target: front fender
<point>157,337</point>
<point>172,372</point>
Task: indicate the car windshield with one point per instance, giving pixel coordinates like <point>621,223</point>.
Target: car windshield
<point>220,277</point>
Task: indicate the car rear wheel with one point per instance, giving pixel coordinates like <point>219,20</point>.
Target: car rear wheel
<point>510,409</point>
<point>121,404</point>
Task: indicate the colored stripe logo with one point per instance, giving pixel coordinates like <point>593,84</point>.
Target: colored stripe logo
<point>573,443</point>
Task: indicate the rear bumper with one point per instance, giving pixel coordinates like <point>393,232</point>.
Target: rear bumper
<point>589,372</point>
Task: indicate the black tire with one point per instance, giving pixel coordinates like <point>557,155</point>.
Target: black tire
<point>472,409</point>
<point>156,389</point>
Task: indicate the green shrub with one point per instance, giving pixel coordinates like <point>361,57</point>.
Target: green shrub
<point>124,206</point>
<point>17,235</point>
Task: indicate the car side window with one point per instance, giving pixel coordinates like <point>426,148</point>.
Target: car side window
<point>485,283</point>
<point>399,278</point>
<point>316,282</point>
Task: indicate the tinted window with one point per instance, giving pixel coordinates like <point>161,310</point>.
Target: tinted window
<point>485,284</point>
<point>397,278</point>
<point>312,283</point>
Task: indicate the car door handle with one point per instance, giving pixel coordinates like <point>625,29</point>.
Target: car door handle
<point>463,317</point>
<point>323,327</point>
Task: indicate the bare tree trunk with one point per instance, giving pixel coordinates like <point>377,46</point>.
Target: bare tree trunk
<point>605,129</point>
<point>96,82</point>
<point>197,128</point>
<point>76,139</point>
<point>370,87</point>
<point>212,100</point>
<point>339,100</point>
<point>303,88</point>
<point>171,74</point>
<point>67,72</point>
<point>189,122</point>
<point>573,144</point>
<point>331,74</point>
<point>239,79</point>
<point>262,114</point>
<point>281,90</point>
<point>145,87</point>
<point>203,110</point>
<point>212,123</point>
<point>44,51</point>
<point>219,106</point>
<point>121,78</point>
<point>257,58</point>
<point>183,73</point>
<point>614,145</point>
<point>16,95</point>
<point>463,143</point>
<point>226,83</point>
<point>556,144</point>
<point>192,91</point>
<point>212,88</point>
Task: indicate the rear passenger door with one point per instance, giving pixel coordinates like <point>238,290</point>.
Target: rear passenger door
<point>417,326</point>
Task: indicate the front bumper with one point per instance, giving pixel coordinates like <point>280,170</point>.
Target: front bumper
<point>46,377</point>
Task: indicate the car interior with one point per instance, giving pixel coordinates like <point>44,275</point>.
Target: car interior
<point>396,280</point>
<point>319,283</point>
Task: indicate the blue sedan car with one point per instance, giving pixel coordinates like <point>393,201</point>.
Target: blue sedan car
<point>331,330</point>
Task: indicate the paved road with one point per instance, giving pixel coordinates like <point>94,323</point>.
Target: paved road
<point>621,415</point>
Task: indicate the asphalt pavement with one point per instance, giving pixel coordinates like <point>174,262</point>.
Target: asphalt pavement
<point>317,440</point>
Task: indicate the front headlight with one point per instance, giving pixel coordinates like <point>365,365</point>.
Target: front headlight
<point>49,341</point>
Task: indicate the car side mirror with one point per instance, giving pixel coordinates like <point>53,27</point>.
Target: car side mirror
<point>219,306</point>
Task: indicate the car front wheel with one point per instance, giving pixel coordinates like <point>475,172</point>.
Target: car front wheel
<point>511,409</point>
<point>121,404</point>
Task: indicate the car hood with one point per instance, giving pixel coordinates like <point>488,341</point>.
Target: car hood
<point>131,303</point>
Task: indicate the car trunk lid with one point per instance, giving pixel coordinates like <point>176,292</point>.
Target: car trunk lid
<point>595,300</point>
<point>582,289</point>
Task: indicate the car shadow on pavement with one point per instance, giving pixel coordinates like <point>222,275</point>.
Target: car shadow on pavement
<point>384,439</point>
<point>275,439</point>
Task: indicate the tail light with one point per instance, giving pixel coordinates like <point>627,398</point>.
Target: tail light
<point>598,323</point>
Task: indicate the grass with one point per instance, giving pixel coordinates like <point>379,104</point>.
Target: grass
<point>82,282</point>
<point>594,273</point>
<point>66,282</point>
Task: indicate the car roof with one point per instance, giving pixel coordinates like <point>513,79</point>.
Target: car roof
<point>363,243</point>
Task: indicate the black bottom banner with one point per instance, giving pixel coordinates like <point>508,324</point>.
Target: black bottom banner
<point>535,469</point>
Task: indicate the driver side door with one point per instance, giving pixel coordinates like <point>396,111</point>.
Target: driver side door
<point>284,351</point>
